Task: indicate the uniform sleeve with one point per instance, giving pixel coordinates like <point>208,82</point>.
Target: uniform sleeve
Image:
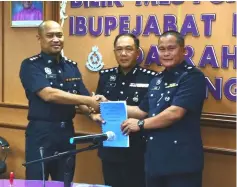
<point>82,88</point>
<point>144,105</point>
<point>191,92</point>
<point>33,79</point>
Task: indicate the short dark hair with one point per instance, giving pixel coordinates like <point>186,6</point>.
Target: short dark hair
<point>136,40</point>
<point>177,35</point>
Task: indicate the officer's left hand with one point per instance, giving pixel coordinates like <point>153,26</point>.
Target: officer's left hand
<point>97,118</point>
<point>130,125</point>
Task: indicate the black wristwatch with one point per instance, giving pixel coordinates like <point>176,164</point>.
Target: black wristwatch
<point>140,124</point>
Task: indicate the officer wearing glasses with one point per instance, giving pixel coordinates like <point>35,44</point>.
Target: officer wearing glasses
<point>124,167</point>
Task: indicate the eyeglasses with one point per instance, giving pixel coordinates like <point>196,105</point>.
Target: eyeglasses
<point>127,50</point>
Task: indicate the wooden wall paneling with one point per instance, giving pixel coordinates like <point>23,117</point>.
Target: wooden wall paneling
<point>88,167</point>
<point>21,42</point>
<point>219,137</point>
<point>219,170</point>
<point>16,155</point>
<point>1,50</point>
<point>13,115</point>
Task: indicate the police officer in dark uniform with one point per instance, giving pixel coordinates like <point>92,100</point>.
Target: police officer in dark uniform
<point>53,86</point>
<point>174,153</point>
<point>124,167</point>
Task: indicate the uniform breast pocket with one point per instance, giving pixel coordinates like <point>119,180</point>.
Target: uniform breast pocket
<point>169,94</point>
<point>154,97</point>
<point>109,87</point>
<point>54,83</point>
<point>136,95</point>
<point>72,85</point>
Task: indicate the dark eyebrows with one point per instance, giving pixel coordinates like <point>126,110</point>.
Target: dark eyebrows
<point>127,46</point>
<point>54,33</point>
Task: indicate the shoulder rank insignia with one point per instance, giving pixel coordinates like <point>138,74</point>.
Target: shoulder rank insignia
<point>147,71</point>
<point>34,57</point>
<point>108,70</point>
<point>70,61</point>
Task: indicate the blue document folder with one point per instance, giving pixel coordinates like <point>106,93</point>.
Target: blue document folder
<point>114,113</point>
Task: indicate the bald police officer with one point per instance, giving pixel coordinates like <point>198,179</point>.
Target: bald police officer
<point>53,86</point>
<point>174,152</point>
<point>124,167</point>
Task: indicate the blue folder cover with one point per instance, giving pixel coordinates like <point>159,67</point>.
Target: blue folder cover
<point>114,113</point>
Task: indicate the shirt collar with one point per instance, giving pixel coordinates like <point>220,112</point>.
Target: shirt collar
<point>51,60</point>
<point>176,69</point>
<point>131,72</point>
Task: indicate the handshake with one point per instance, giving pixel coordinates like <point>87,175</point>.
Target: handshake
<point>94,107</point>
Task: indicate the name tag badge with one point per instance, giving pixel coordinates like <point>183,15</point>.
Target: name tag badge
<point>156,88</point>
<point>139,85</point>
<point>51,76</point>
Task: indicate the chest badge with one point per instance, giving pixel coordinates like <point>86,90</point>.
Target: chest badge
<point>112,78</point>
<point>167,98</point>
<point>135,99</point>
<point>47,70</point>
<point>94,60</point>
<point>158,82</point>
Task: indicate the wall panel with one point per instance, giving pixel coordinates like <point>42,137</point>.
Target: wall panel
<point>21,42</point>
<point>219,137</point>
<point>1,49</point>
<point>219,171</point>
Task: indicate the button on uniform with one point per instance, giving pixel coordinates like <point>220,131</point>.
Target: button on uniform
<point>63,124</point>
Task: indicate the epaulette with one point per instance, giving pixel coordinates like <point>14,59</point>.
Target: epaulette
<point>148,71</point>
<point>69,61</point>
<point>103,71</point>
<point>35,57</point>
<point>159,73</point>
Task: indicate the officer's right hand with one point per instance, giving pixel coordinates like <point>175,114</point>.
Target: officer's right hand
<point>93,104</point>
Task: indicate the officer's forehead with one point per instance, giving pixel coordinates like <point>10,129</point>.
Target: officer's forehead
<point>51,27</point>
<point>125,41</point>
<point>168,39</point>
